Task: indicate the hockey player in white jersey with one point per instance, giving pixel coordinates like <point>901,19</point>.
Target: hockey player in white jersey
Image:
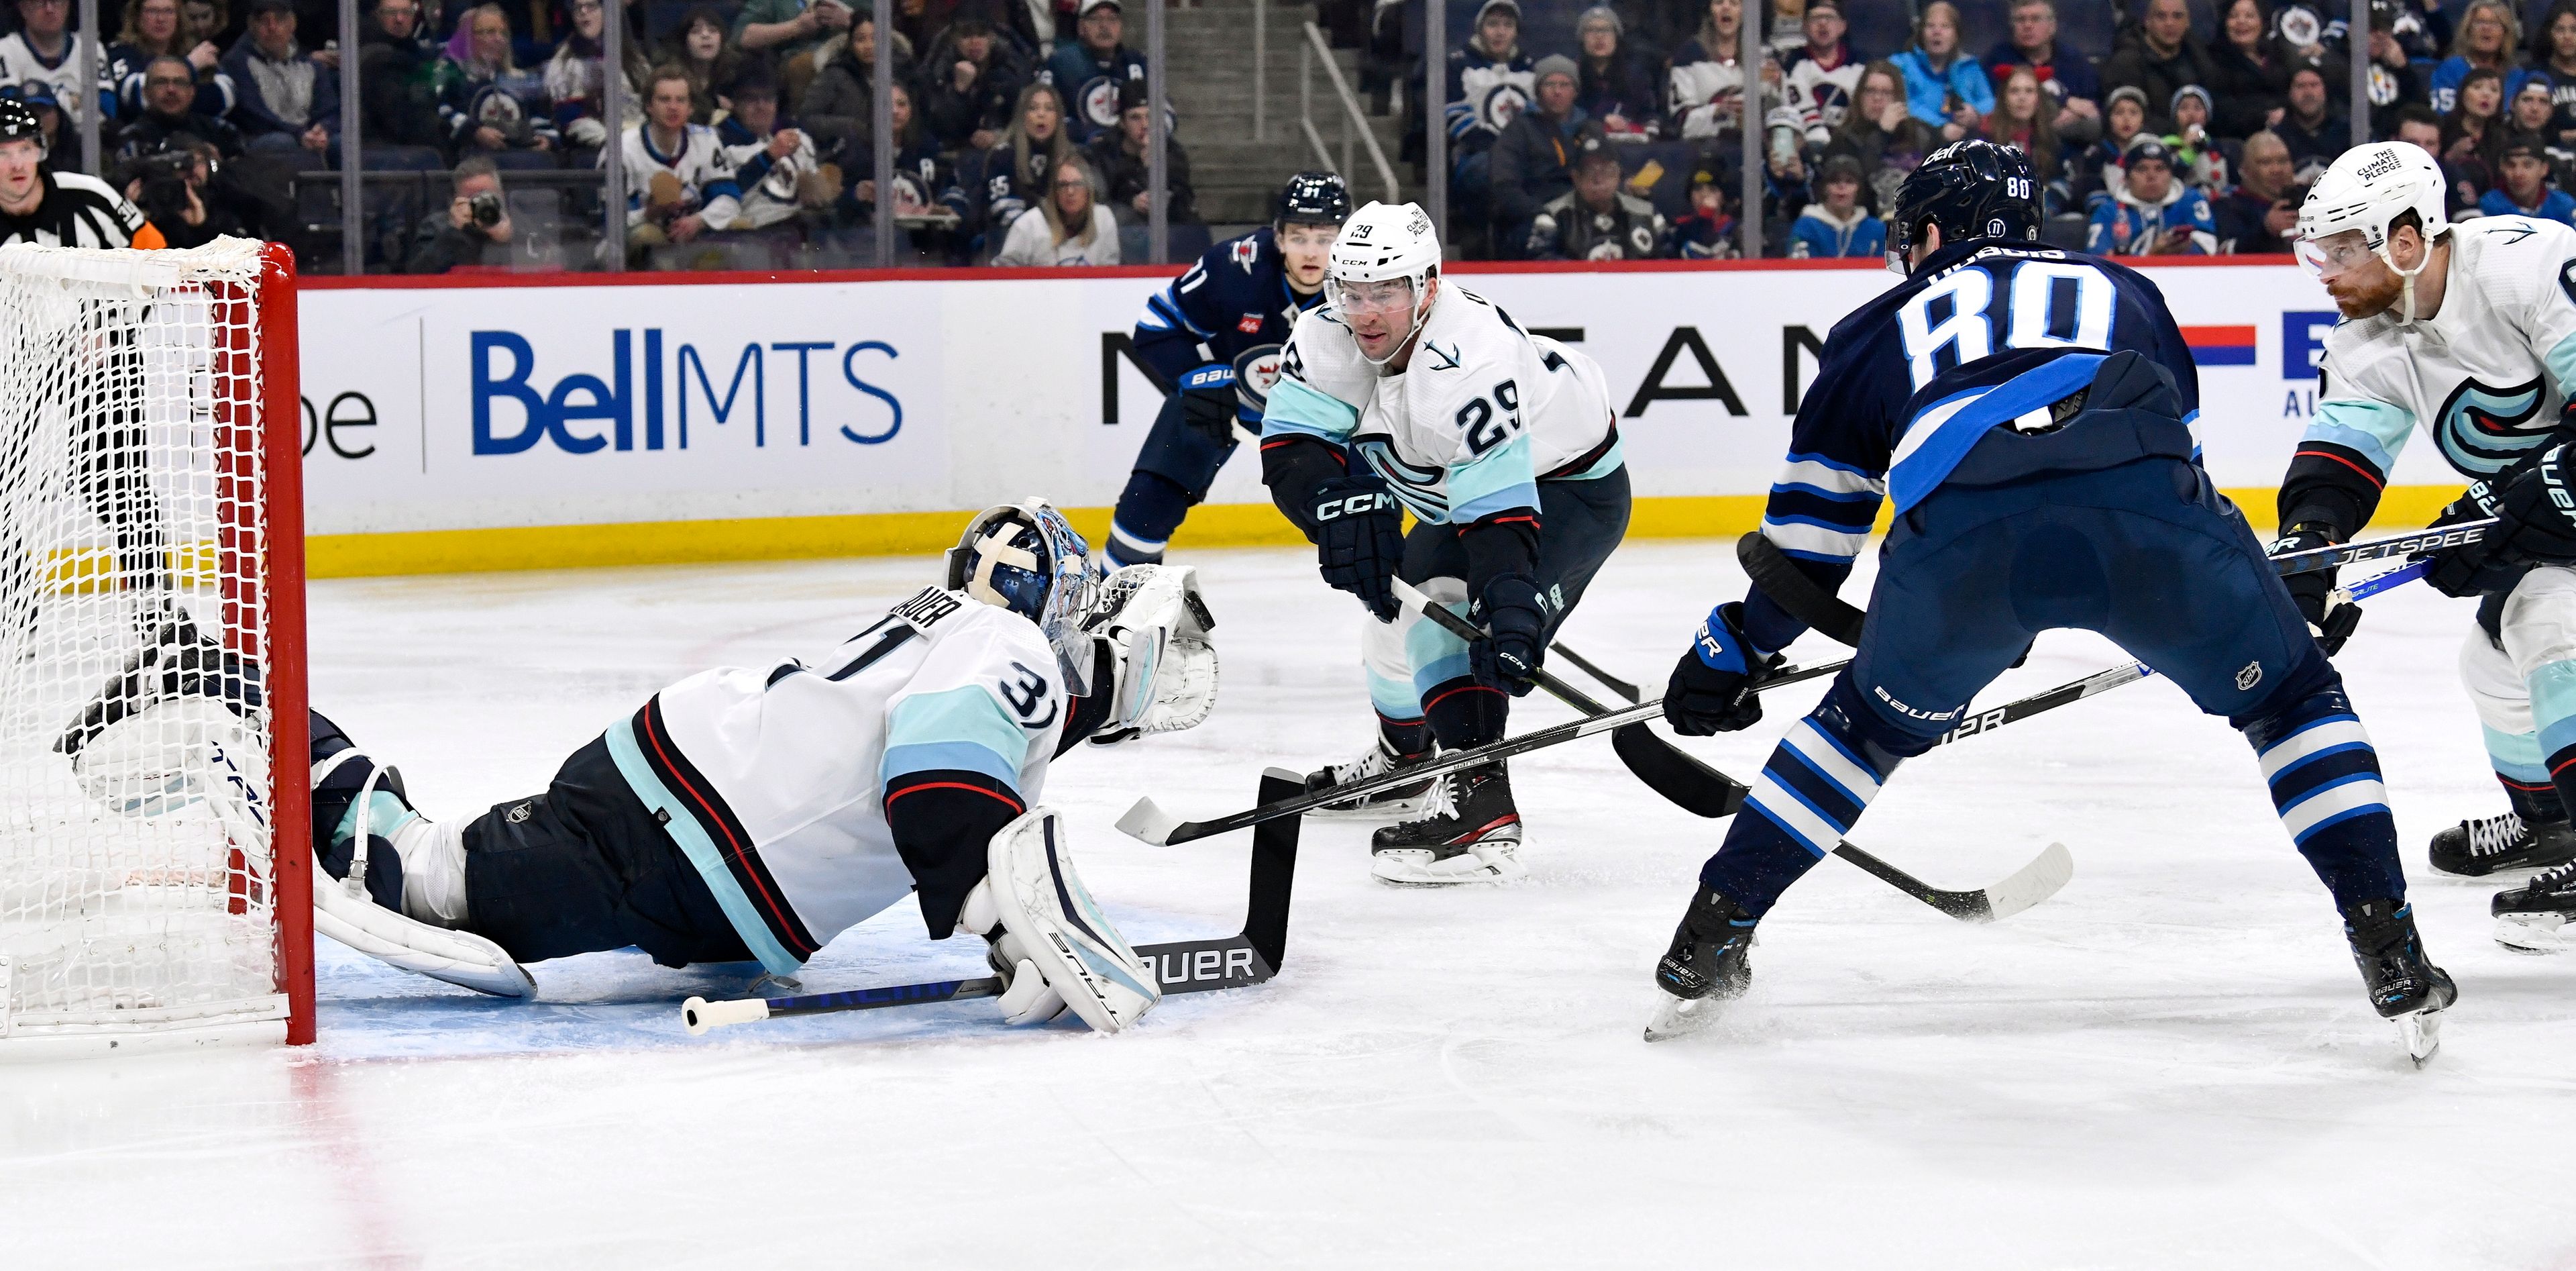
<point>1405,389</point>
<point>2468,333</point>
<point>754,813</point>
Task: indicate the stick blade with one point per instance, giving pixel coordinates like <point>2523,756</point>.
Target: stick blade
<point>2031,884</point>
<point>1148,821</point>
<point>1688,784</point>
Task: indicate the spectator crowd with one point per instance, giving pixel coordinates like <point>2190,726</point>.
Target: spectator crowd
<point>2177,140</point>
<point>1020,127</point>
<point>748,126</point>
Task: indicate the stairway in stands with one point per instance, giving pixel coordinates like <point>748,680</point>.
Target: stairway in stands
<point>1210,50</point>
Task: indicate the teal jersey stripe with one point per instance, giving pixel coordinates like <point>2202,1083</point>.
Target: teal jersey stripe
<point>1295,407</point>
<point>1496,481</point>
<point>700,849</point>
<point>1601,467</point>
<point>2376,429</point>
<point>946,730</point>
<point>2562,366</point>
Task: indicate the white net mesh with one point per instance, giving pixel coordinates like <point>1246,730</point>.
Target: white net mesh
<point>135,662</point>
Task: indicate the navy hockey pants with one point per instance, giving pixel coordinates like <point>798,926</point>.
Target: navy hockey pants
<point>1173,471</point>
<point>585,867</point>
<point>2148,554</point>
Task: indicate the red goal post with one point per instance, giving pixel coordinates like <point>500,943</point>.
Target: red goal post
<point>155,844</point>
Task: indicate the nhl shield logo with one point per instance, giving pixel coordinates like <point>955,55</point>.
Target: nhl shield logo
<point>518,813</point>
<point>2250,675</point>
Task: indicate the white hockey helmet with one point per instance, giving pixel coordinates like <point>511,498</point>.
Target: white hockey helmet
<point>1384,242</point>
<point>1025,557</point>
<point>2366,189</point>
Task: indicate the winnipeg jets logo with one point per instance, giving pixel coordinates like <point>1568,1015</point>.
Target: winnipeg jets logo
<point>1448,356</point>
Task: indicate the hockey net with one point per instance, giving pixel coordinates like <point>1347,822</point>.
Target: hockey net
<point>154,887</point>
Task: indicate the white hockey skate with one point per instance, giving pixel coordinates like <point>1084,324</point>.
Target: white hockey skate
<point>1051,941</point>
<point>1399,803</point>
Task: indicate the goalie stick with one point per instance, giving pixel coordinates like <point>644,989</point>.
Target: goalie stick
<point>1664,767</point>
<point>1840,621</point>
<point>1180,966</point>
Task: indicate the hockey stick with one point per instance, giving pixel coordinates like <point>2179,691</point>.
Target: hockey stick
<point>1664,767</point>
<point>1616,685</point>
<point>1839,620</point>
<point>1148,821</point>
<point>2104,681</point>
<point>1181,966</point>
<point>2017,891</point>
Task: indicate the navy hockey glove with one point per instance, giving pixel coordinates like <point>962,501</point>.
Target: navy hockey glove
<point>1515,623</point>
<point>2536,516</point>
<point>1359,537</point>
<point>2330,617</point>
<point>1208,402</point>
<point>2471,569</point>
<point>1712,689</point>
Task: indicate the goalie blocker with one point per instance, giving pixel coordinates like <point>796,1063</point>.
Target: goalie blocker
<point>752,814</point>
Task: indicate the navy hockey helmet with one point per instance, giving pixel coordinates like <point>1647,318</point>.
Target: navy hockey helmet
<point>1025,557</point>
<point>1971,189</point>
<point>17,119</point>
<point>1314,198</point>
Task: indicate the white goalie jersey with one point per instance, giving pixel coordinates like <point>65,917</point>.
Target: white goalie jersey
<point>801,756</point>
<point>1482,413</point>
<point>2484,378</point>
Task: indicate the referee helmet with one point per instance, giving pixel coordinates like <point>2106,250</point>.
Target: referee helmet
<point>18,120</point>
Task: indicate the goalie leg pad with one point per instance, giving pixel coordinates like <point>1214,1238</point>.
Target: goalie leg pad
<point>1046,922</point>
<point>458,957</point>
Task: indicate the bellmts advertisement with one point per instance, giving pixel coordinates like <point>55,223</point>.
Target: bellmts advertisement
<point>463,407</point>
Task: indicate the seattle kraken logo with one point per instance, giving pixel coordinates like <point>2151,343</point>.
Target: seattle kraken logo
<point>2484,430</point>
<point>1419,487</point>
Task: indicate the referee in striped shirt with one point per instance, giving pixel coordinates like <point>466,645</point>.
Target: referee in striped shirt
<point>103,378</point>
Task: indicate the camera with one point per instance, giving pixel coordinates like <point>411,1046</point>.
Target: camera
<point>164,174</point>
<point>485,208</point>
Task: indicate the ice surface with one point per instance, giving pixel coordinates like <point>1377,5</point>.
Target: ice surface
<point>2168,1064</point>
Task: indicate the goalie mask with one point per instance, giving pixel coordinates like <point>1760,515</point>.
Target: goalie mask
<point>1025,557</point>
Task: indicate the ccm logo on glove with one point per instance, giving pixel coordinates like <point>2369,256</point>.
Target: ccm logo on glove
<point>1355,505</point>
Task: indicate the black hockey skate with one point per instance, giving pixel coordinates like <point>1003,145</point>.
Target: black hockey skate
<point>1407,800</point>
<point>1473,834</point>
<point>2474,849</point>
<point>2404,986</point>
<point>2533,918</point>
<point>1710,961</point>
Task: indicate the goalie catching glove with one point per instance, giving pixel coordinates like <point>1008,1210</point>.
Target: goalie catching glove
<point>1154,626</point>
<point>1051,944</point>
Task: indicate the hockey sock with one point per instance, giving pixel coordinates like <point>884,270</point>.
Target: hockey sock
<point>1149,510</point>
<point>433,869</point>
<point>2524,774</point>
<point>2326,785</point>
<point>1465,714</point>
<point>1814,786</point>
<point>1404,736</point>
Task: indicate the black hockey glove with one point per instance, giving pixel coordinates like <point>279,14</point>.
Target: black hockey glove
<point>2472,569</point>
<point>1515,623</point>
<point>1712,688</point>
<point>2331,617</point>
<point>1208,402</point>
<point>1359,537</point>
<point>2536,517</point>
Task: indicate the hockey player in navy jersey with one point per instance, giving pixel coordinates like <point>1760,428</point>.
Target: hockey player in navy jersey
<point>1212,340</point>
<point>754,813</point>
<point>2028,411</point>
